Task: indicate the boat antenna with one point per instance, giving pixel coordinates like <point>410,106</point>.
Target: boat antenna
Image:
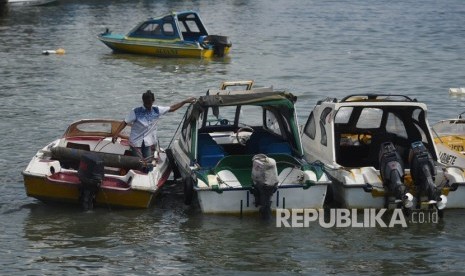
<point>460,115</point>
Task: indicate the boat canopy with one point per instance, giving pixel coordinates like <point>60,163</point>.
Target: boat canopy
<point>248,98</point>
<point>226,111</point>
<point>97,128</point>
<point>185,26</point>
<point>281,100</point>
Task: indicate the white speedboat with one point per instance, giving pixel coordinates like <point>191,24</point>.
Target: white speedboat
<point>379,152</point>
<point>240,152</point>
<point>85,167</point>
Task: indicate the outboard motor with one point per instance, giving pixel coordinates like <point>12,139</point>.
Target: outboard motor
<point>218,42</point>
<point>265,181</point>
<point>392,174</point>
<point>423,173</point>
<point>90,173</point>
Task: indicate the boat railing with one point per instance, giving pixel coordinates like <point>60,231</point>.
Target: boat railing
<point>377,97</point>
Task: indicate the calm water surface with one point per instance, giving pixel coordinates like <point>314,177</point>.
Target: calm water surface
<point>315,49</point>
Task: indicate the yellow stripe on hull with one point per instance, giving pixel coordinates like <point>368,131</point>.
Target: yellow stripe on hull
<point>454,142</point>
<point>40,188</point>
<point>169,50</point>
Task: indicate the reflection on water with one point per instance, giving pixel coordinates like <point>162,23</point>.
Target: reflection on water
<point>59,226</point>
<point>167,65</point>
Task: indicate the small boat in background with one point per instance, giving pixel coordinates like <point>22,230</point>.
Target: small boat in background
<point>29,2</point>
<point>86,167</point>
<point>457,91</point>
<point>178,34</point>
<point>449,136</point>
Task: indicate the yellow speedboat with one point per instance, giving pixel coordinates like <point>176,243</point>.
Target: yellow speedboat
<point>449,137</point>
<point>178,34</point>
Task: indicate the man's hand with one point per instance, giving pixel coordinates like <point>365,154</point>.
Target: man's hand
<point>190,100</point>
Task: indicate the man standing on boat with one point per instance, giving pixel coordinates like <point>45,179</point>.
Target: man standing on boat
<point>144,119</point>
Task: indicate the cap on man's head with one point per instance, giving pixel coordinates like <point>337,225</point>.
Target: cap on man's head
<point>148,96</point>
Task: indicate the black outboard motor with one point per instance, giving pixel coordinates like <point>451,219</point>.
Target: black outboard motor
<point>265,181</point>
<point>423,173</point>
<point>90,173</point>
<point>392,173</point>
<point>219,43</point>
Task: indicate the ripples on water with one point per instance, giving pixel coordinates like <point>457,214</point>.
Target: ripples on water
<point>315,49</point>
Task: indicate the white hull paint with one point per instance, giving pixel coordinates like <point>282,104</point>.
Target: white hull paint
<point>456,199</point>
<point>356,197</point>
<point>237,201</point>
<point>450,157</point>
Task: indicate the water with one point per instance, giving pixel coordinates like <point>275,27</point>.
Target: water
<point>315,49</point>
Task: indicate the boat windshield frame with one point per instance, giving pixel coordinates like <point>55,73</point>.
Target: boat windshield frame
<point>184,26</point>
<point>96,128</point>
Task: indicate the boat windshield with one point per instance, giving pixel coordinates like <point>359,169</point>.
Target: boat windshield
<point>100,128</point>
<point>191,26</point>
<point>164,28</point>
<point>361,130</point>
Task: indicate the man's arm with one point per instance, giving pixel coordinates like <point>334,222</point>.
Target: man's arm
<point>177,106</point>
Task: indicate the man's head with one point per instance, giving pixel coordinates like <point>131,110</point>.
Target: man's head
<point>148,98</point>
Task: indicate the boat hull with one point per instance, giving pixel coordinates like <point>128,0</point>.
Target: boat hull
<point>158,49</point>
<point>355,197</point>
<point>241,201</point>
<point>455,199</point>
<point>66,190</point>
<point>450,157</point>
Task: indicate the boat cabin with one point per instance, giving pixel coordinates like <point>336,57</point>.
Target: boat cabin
<point>226,123</point>
<point>185,26</point>
<point>350,132</point>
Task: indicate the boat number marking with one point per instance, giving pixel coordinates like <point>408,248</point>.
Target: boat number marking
<point>447,158</point>
<point>166,51</point>
<point>456,147</point>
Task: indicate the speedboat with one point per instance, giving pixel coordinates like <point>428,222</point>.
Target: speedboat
<point>178,34</point>
<point>457,91</point>
<point>85,167</point>
<point>29,2</point>
<point>379,153</point>
<point>239,151</point>
<point>449,136</point>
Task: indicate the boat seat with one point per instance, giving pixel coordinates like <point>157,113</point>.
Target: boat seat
<point>205,139</point>
<point>72,145</point>
<point>209,152</point>
<point>260,141</point>
<point>282,147</point>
